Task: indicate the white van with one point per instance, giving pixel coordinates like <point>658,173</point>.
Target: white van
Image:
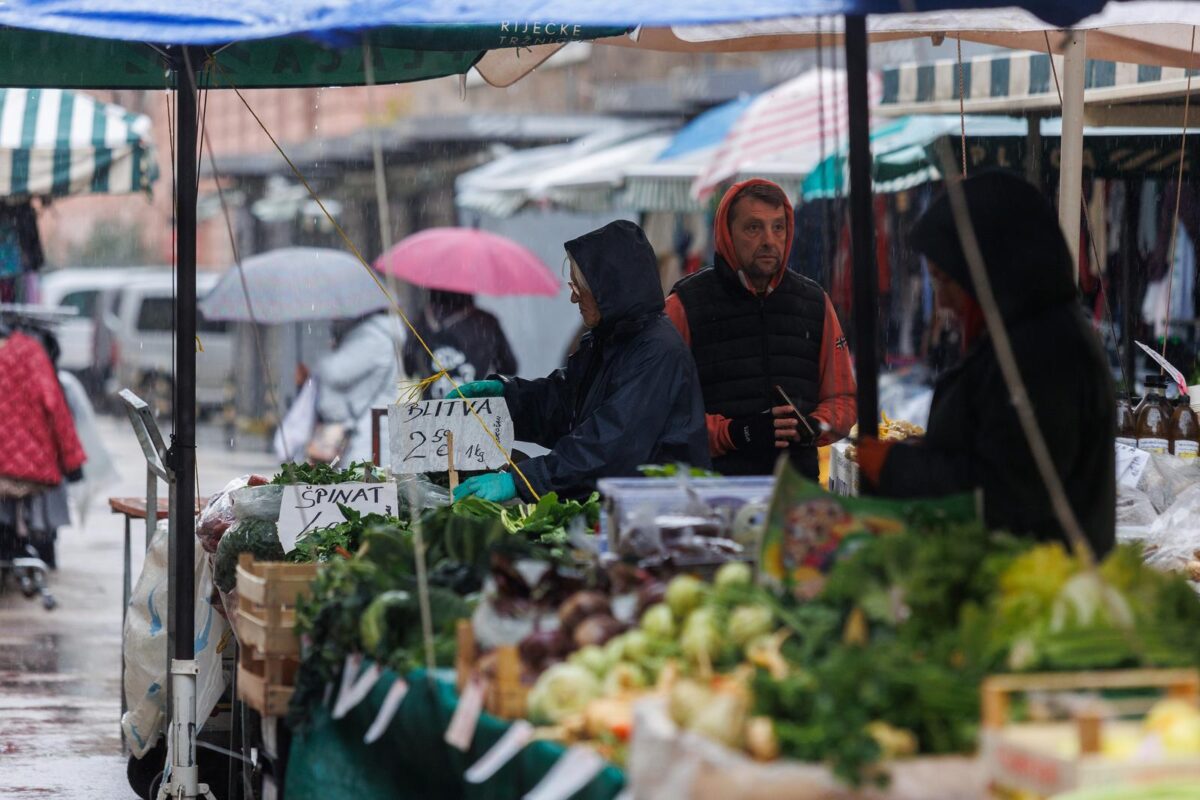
<point>144,341</point>
<point>79,288</point>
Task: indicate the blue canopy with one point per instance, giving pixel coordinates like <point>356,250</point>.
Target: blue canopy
<point>706,130</point>
<point>223,21</point>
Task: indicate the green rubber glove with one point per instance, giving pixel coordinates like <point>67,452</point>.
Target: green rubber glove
<point>477,389</point>
<point>495,486</point>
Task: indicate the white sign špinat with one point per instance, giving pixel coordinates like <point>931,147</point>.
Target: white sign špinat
<point>420,435</point>
<point>314,507</point>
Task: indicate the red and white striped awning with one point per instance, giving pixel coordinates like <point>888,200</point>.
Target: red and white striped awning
<point>791,128</point>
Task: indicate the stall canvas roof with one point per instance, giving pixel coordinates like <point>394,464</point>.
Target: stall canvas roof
<point>55,142</point>
<point>1021,82</point>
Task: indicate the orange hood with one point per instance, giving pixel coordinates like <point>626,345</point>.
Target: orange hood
<point>724,242</point>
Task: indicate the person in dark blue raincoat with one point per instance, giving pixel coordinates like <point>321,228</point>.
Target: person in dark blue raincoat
<point>629,395</point>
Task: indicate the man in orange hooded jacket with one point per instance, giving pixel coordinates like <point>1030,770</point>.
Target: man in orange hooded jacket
<point>759,334</point>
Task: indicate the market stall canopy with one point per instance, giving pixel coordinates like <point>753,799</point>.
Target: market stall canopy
<point>56,143</point>
<point>294,284</point>
<point>1018,83</point>
<point>589,183</point>
<point>1137,32</point>
<point>665,184</point>
<point>792,126</point>
<point>215,21</point>
<point>502,187</point>
<point>905,151</point>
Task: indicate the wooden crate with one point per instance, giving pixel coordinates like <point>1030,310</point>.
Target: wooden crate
<point>266,683</point>
<point>1024,758</point>
<point>266,629</point>
<point>506,695</point>
<point>267,595</point>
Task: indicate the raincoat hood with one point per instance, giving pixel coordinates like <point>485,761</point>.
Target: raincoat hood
<point>724,241</point>
<point>621,269</point>
<point>1023,248</point>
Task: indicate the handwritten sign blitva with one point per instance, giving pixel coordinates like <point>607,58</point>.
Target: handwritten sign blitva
<point>308,507</point>
<point>420,435</point>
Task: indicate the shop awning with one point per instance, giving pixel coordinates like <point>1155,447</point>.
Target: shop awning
<point>591,183</point>
<point>1015,83</point>
<point>504,186</point>
<point>56,142</point>
<point>665,184</point>
<point>905,151</point>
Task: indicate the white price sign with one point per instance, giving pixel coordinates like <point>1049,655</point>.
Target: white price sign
<point>311,507</point>
<point>420,435</point>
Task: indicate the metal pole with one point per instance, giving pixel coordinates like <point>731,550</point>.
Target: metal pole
<point>1070,175</point>
<point>862,230</point>
<point>185,776</point>
<point>184,438</point>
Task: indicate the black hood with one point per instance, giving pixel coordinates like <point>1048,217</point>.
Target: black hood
<point>1023,248</point>
<point>621,269</point>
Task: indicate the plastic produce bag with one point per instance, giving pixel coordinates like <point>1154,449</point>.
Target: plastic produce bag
<point>145,647</point>
<point>1174,538</point>
<point>419,493</point>
<point>1134,509</point>
<point>218,515</point>
<point>1165,477</point>
<point>257,502</point>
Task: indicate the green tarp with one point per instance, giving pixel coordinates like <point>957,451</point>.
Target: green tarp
<point>411,761</point>
<point>400,54</point>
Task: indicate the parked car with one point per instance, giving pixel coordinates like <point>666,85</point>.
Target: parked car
<point>141,326</point>
<point>80,288</point>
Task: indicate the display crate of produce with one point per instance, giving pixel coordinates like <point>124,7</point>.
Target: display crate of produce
<point>506,695</point>
<point>266,629</point>
<point>1043,759</point>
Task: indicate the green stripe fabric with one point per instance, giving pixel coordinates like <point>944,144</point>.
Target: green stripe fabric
<point>61,182</point>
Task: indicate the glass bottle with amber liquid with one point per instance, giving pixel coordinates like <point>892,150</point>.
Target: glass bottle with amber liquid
<point>1154,418</point>
<point>1185,431</point>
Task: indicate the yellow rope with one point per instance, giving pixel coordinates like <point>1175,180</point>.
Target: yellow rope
<point>374,276</point>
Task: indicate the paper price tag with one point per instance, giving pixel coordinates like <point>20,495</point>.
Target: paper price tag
<point>352,695</point>
<point>1131,463</point>
<point>461,730</point>
<point>387,711</point>
<point>307,507</point>
<point>569,774</point>
<point>420,441</point>
<point>519,734</point>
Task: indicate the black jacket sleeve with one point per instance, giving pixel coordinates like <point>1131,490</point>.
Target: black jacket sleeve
<point>541,408</point>
<point>621,433</point>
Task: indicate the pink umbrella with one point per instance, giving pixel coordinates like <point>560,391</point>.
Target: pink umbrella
<point>468,261</point>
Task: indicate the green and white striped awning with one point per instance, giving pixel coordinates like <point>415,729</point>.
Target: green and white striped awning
<point>1015,82</point>
<point>55,142</point>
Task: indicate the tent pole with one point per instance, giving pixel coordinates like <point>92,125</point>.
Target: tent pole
<point>1070,175</point>
<point>862,230</point>
<point>184,779</point>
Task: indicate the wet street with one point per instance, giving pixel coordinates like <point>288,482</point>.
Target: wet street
<point>60,670</point>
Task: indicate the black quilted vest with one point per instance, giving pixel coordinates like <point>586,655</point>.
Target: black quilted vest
<point>746,345</point>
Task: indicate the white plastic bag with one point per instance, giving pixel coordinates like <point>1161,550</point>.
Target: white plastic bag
<point>1134,509</point>
<point>145,647</point>
<point>1172,541</point>
<point>297,425</point>
<point>1165,478</point>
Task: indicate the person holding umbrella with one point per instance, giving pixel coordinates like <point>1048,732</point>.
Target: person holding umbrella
<point>629,395</point>
<point>457,342</point>
<point>467,341</point>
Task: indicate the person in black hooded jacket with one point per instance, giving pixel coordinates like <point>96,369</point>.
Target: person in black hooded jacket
<point>974,438</point>
<point>628,396</point>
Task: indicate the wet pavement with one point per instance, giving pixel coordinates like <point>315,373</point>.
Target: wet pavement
<point>60,670</point>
